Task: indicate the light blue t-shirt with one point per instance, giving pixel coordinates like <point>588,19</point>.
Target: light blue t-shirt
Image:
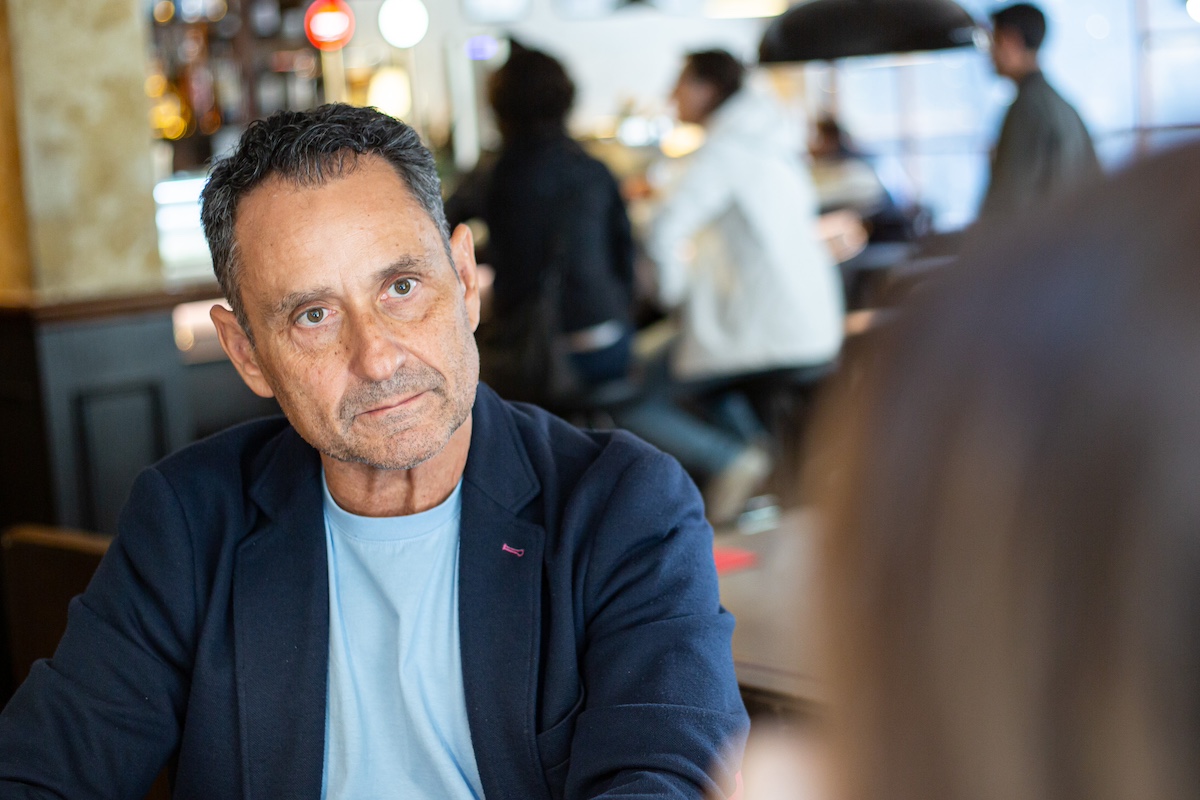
<point>396,715</point>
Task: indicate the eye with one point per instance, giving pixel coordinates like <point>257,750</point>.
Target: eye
<point>313,316</point>
<point>401,287</point>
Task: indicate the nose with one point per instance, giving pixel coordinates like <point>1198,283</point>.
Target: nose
<point>375,352</point>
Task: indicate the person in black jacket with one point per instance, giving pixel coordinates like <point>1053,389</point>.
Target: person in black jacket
<point>560,244</point>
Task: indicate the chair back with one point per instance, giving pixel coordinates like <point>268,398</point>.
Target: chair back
<point>44,568</point>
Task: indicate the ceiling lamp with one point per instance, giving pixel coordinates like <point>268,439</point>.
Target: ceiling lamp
<point>403,23</point>
<point>826,30</point>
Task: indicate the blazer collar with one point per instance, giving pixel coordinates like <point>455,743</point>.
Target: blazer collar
<point>497,464</point>
<point>499,609</point>
<point>281,626</point>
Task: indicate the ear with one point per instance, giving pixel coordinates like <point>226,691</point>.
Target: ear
<point>237,346</point>
<point>462,248</point>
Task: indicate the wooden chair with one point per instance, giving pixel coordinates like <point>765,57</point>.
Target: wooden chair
<point>44,568</point>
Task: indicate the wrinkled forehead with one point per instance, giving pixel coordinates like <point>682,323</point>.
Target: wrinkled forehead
<point>310,182</point>
<point>364,209</point>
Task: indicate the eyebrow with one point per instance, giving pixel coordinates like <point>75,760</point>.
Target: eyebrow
<point>291,302</point>
<point>418,264</point>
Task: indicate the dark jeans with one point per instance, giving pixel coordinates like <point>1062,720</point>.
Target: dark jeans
<point>606,364</point>
<point>704,424</point>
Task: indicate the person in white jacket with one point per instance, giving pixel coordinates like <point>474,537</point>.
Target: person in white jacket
<point>739,259</point>
<point>736,244</point>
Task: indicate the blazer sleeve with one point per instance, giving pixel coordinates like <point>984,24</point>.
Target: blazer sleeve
<point>102,716</point>
<point>663,716</point>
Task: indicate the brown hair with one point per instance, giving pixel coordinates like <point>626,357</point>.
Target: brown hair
<point>1024,19</point>
<point>719,69</point>
<point>1011,569</point>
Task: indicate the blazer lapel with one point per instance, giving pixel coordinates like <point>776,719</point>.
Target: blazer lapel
<point>281,628</point>
<point>500,570</point>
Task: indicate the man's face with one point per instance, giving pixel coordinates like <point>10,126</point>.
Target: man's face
<point>1008,51</point>
<point>362,324</point>
<point>694,99</point>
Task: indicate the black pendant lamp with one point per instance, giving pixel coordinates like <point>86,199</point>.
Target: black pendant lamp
<point>826,30</point>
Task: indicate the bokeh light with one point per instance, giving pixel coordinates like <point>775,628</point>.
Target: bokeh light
<point>403,23</point>
<point>390,91</point>
<point>164,11</point>
<point>329,24</point>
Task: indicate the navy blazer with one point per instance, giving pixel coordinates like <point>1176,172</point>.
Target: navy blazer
<point>596,658</point>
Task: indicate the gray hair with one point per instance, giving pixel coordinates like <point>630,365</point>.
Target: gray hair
<point>309,148</point>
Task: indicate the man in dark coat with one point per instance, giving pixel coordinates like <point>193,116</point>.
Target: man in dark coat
<point>1044,148</point>
<point>406,587</point>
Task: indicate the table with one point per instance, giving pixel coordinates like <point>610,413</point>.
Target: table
<point>772,642</point>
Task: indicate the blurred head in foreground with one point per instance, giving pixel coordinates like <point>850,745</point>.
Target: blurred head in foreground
<point>1012,566</point>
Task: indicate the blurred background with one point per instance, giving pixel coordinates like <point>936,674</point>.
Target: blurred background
<point>927,120</point>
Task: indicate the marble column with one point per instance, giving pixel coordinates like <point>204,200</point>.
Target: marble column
<point>76,92</point>
<point>16,278</point>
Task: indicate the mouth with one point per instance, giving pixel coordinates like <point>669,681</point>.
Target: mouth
<point>391,405</point>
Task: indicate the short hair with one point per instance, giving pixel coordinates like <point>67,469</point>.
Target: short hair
<point>531,91</point>
<point>719,69</point>
<point>1026,20</point>
<point>309,148</point>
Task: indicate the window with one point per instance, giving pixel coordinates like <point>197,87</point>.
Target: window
<point>1131,68</point>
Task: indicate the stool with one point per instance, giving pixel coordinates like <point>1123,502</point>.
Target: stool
<point>593,407</point>
<point>783,400</point>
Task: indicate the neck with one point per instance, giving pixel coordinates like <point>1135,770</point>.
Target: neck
<point>372,492</point>
<point>1024,69</point>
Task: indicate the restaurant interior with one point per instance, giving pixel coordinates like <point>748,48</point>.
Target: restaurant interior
<point>112,113</point>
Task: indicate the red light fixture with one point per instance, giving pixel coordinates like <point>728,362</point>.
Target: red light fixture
<point>329,24</point>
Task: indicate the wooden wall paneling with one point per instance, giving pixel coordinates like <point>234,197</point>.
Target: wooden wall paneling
<point>220,399</point>
<point>25,485</point>
<point>117,399</point>
<point>119,431</point>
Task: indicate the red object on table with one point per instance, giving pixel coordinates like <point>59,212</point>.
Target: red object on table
<point>731,559</point>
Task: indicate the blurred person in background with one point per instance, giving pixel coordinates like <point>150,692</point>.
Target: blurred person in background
<point>845,181</point>
<point>841,174</point>
<point>1009,569</point>
<point>560,244</point>
<point>739,259</point>
<point>1044,147</point>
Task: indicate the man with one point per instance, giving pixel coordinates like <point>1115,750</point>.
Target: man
<point>406,588</point>
<point>1044,147</point>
